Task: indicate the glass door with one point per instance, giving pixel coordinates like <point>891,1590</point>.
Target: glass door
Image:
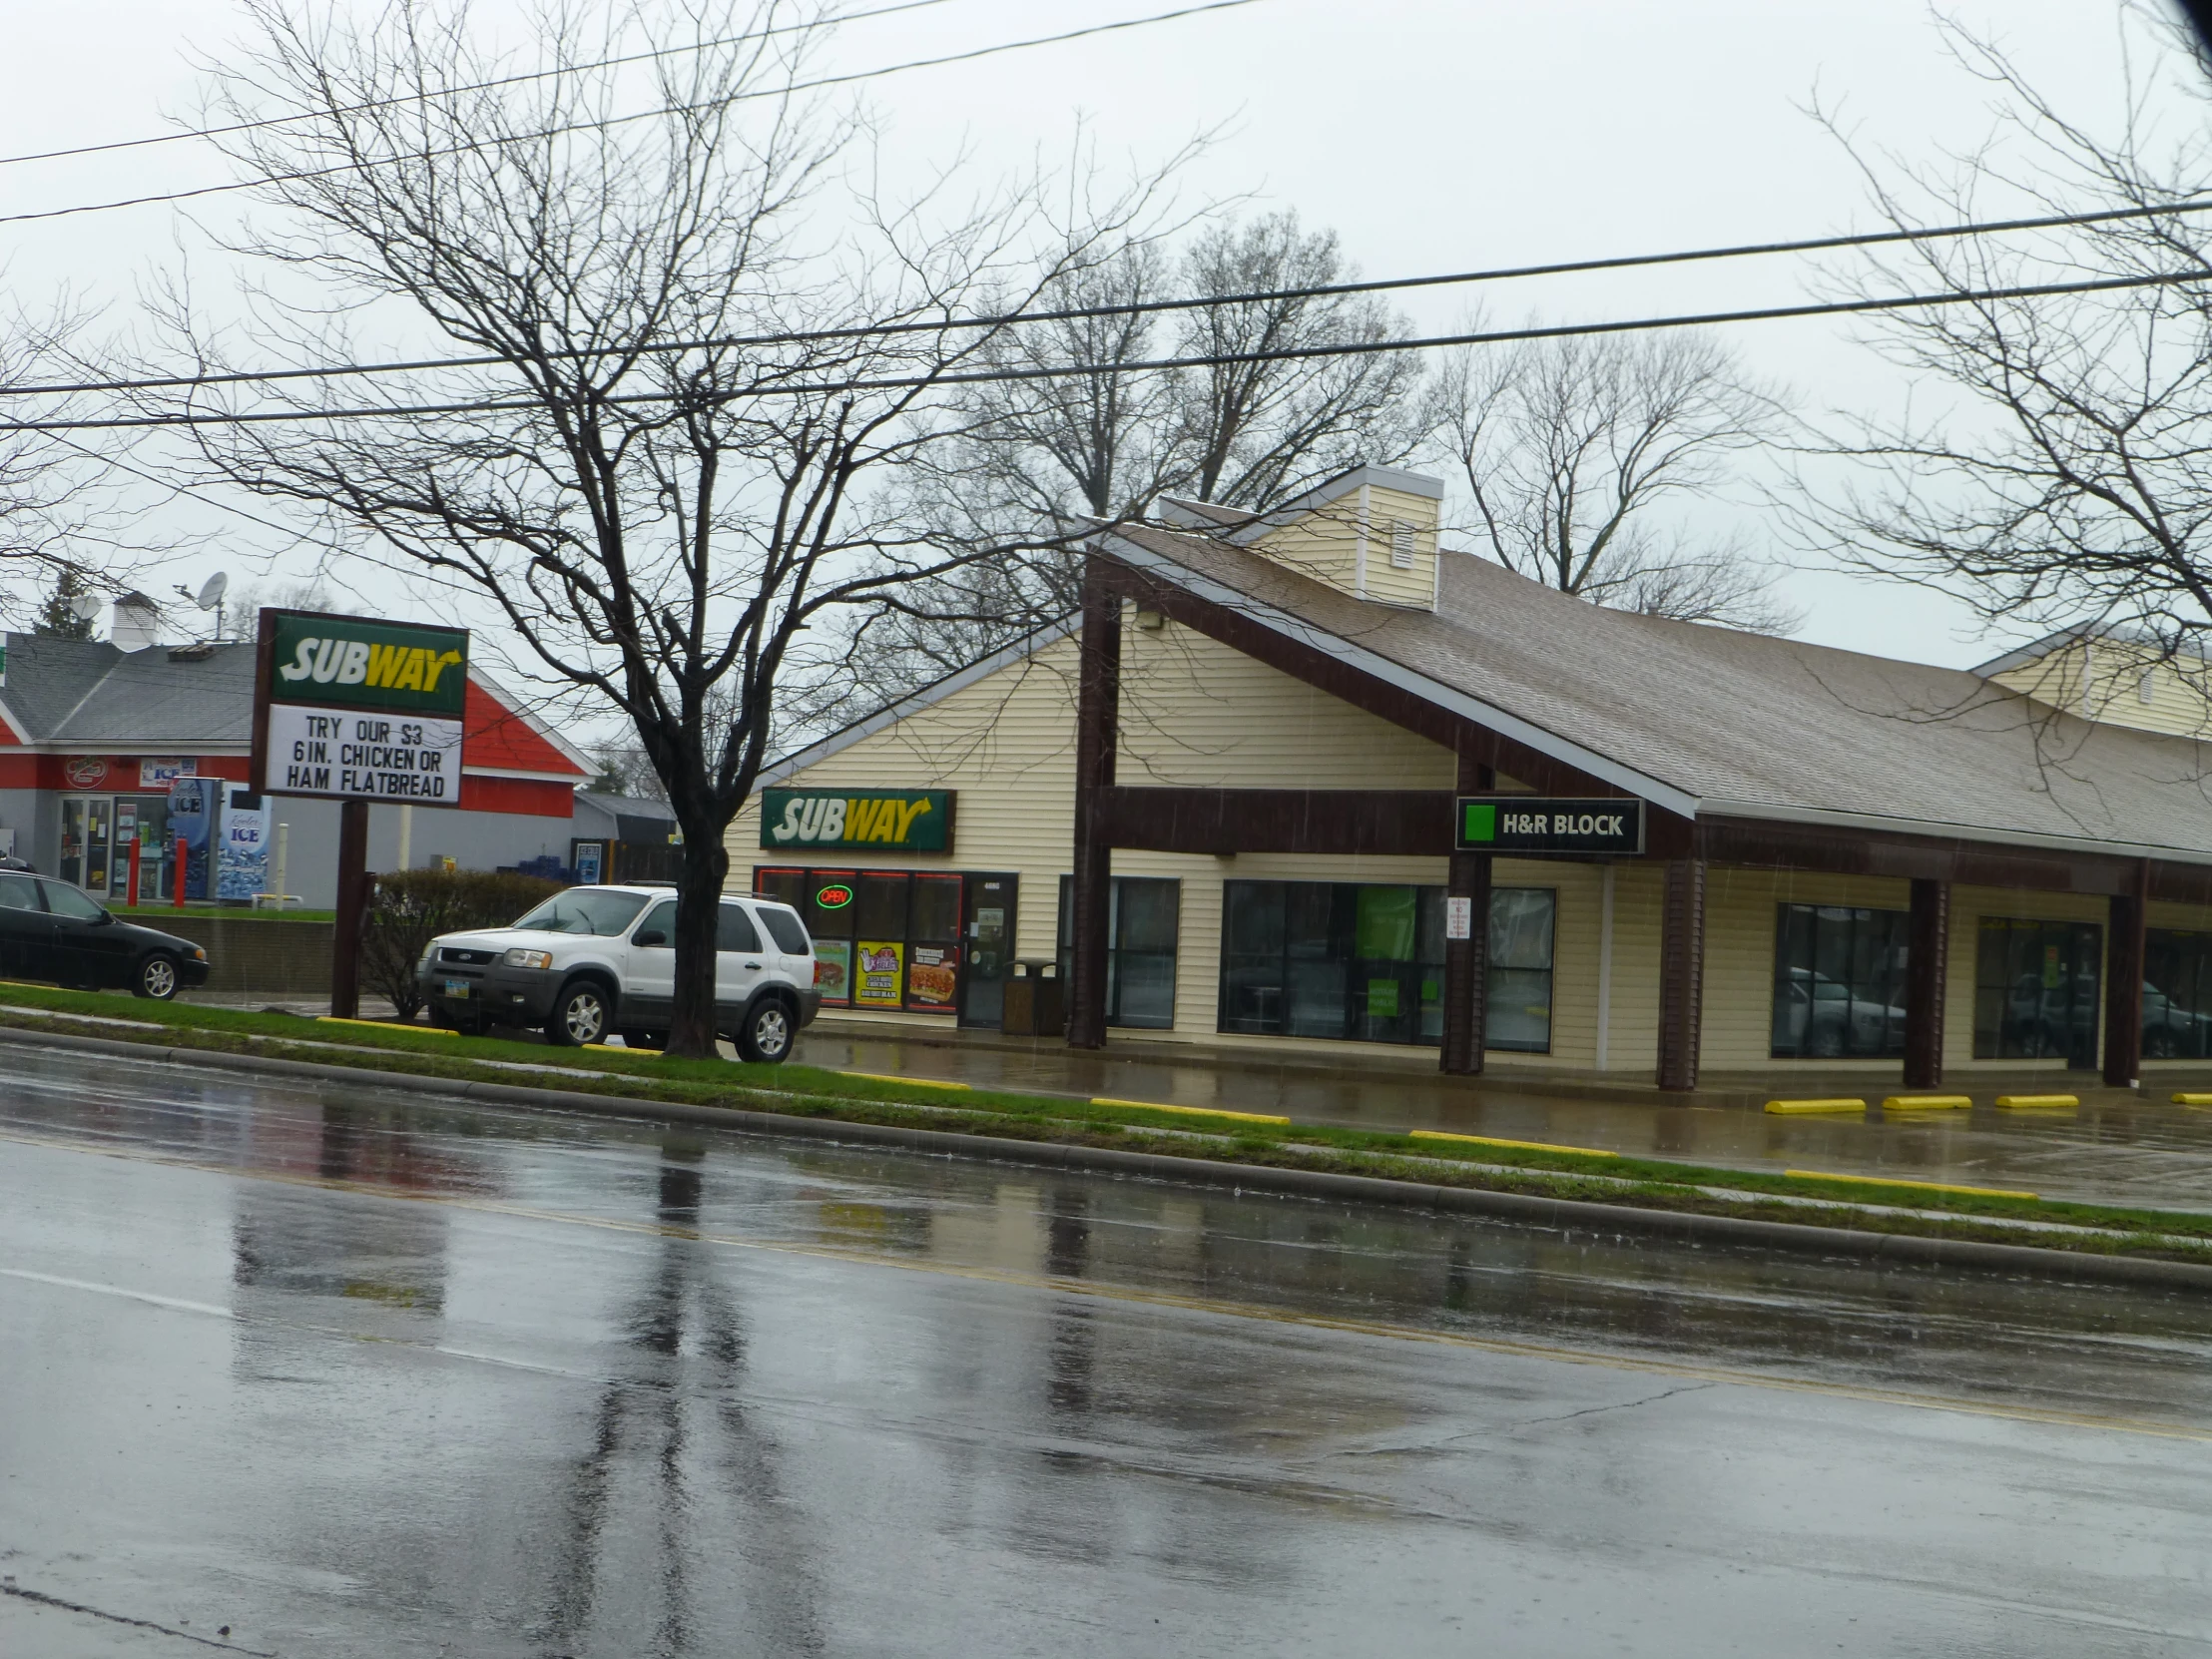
<point>73,839</point>
<point>99,816</point>
<point>989,909</point>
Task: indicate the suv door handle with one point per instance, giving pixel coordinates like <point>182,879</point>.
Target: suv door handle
<point>752,967</point>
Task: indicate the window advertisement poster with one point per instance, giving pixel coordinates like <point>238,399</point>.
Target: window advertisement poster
<point>191,821</point>
<point>158,774</point>
<point>834,970</point>
<point>879,978</point>
<point>933,979</point>
<point>242,856</point>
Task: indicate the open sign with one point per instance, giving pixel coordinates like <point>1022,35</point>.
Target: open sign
<point>835,896</point>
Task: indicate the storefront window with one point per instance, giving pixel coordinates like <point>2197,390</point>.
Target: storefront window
<point>1839,982</point>
<point>1344,960</point>
<point>900,939</point>
<point>2035,990</point>
<point>2177,996</point>
<point>1141,937</point>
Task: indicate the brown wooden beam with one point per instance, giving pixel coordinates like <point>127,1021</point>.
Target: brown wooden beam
<point>1757,844</point>
<point>2123,983</point>
<point>1466,962</point>
<point>1416,821</point>
<point>1928,956</point>
<point>1097,722</point>
<point>1681,972</point>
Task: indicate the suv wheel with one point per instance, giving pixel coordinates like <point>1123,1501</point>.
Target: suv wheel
<point>766,1033</point>
<point>579,1015</point>
<point>156,976</point>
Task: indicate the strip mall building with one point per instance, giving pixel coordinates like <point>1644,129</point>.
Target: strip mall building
<point>1223,803</point>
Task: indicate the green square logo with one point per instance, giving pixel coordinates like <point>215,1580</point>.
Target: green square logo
<point>1481,824</point>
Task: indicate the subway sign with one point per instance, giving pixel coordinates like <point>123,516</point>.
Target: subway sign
<point>360,708</point>
<point>914,821</point>
<point>1534,823</point>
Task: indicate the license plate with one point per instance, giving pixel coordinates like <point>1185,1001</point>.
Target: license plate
<point>457,987</point>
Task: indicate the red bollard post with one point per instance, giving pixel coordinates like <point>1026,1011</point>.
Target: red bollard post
<point>184,863</point>
<point>134,898</point>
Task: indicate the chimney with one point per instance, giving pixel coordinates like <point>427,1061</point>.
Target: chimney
<point>1370,532</point>
<point>137,623</point>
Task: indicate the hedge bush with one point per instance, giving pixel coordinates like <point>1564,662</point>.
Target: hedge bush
<point>410,908</point>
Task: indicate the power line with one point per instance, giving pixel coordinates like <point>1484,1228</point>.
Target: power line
<point>815,84</point>
<point>1004,319</point>
<point>473,86</point>
<point>1347,349</point>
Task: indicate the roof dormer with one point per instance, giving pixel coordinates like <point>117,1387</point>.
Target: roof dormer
<point>1370,532</point>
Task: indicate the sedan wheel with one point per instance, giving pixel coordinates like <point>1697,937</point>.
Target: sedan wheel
<point>579,1016</point>
<point>767,1036</point>
<point>155,977</point>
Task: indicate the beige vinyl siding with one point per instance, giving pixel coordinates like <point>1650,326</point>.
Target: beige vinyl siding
<point>2103,682</point>
<point>1196,714</point>
<point>1323,543</point>
<point>1415,586</point>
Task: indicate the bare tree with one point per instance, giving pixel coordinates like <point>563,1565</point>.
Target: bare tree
<point>672,473</point>
<point>1252,434</point>
<point>2064,475</point>
<point>1570,450</point>
<point>54,507</point>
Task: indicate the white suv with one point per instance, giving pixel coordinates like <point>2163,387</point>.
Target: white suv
<point>597,959</point>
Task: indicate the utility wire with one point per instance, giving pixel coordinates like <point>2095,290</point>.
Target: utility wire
<point>1006,319</point>
<point>1347,349</point>
<point>787,91</point>
<point>473,86</point>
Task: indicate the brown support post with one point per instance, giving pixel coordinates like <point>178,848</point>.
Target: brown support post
<point>1097,721</point>
<point>346,957</point>
<point>2123,983</point>
<point>1681,972</point>
<point>1926,962</point>
<point>1466,962</point>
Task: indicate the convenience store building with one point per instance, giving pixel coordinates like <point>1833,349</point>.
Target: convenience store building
<point>1222,806</point>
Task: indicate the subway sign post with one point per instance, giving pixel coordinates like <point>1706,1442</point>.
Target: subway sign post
<point>1536,826</point>
<point>356,710</point>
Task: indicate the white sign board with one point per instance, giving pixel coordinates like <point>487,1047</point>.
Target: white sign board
<point>347,754</point>
<point>1458,918</point>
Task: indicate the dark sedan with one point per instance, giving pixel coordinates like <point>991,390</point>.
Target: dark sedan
<point>52,931</point>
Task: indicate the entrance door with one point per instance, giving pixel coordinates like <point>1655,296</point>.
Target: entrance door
<point>649,988</point>
<point>73,839</point>
<point>989,909</point>
<point>99,819</point>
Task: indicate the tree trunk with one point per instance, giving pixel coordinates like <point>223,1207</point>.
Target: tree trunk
<point>691,1033</point>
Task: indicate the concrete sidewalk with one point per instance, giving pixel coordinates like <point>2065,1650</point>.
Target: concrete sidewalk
<point>2119,1147</point>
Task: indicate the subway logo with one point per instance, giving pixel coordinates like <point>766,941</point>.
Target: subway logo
<point>918,820</point>
<point>356,661</point>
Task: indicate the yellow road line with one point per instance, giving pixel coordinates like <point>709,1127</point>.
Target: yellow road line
<point>387,1025</point>
<point>1927,1103</point>
<point>2037,1102</point>
<point>1784,1107</point>
<point>1060,1285</point>
<point>1523,1146</point>
<point>1917,1186</point>
<point>1190,1111</point>
<point>917,1082</point>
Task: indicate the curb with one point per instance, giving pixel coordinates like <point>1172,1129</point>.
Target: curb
<point>1562,1215</point>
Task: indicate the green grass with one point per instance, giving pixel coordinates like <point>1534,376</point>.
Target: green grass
<point>150,915</point>
<point>817,1092</point>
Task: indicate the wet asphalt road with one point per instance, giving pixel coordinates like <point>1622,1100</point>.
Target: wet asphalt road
<point>352,1372</point>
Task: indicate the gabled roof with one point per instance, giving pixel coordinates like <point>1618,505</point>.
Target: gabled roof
<point>87,693</point>
<point>1708,720</point>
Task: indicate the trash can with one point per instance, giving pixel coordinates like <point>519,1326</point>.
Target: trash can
<point>1034,1003</point>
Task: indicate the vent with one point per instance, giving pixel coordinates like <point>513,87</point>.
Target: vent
<point>1401,545</point>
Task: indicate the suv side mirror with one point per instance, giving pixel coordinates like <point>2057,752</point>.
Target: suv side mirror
<point>651,935</point>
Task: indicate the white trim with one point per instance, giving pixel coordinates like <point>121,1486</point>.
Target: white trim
<point>1360,560</point>
<point>1659,793</point>
<point>22,737</point>
<point>513,772</point>
<point>121,749</point>
<point>781,771</point>
<point>566,749</point>
<point>1717,807</point>
<point>1390,477</point>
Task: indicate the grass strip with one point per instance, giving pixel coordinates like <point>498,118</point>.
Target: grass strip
<point>1427,1156</point>
<point>907,1082</point>
<point>1189,1111</point>
<point>1916,1186</point>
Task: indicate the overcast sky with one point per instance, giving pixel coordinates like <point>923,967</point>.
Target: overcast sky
<point>1433,135</point>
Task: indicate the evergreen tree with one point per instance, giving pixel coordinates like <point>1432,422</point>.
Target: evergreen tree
<point>58,617</point>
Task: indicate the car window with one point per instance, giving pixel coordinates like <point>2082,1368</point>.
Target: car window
<point>662,917</point>
<point>784,927</point>
<point>734,930</point>
<point>18,892</point>
<point>66,901</point>
<point>585,911</point>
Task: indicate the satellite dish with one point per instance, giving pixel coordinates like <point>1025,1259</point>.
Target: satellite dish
<point>212,590</point>
<point>85,606</point>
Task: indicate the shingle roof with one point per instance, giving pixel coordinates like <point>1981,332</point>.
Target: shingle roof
<point>87,691</point>
<point>1739,724</point>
